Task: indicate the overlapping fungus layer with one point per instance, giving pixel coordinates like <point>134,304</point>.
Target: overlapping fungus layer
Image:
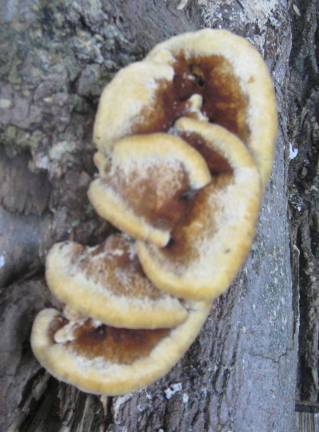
<point>177,173</point>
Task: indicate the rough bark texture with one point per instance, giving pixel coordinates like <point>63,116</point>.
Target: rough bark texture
<point>304,189</point>
<point>56,56</point>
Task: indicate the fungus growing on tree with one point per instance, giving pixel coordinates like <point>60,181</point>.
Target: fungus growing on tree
<point>144,193</point>
<point>210,243</point>
<point>225,69</point>
<point>185,141</point>
<point>106,283</point>
<point>101,359</point>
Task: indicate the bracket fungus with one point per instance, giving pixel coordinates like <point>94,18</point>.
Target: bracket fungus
<point>223,68</point>
<point>144,193</point>
<point>209,245</point>
<point>183,153</point>
<point>106,360</point>
<point>106,283</point>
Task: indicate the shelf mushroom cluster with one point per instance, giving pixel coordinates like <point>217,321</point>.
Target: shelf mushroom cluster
<point>185,142</point>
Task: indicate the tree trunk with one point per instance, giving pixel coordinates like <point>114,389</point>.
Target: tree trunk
<point>304,191</point>
<point>240,374</point>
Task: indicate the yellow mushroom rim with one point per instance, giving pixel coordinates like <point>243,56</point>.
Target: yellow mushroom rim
<point>145,191</point>
<point>100,359</point>
<point>209,246</point>
<point>106,283</point>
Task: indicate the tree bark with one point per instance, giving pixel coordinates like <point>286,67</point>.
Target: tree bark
<point>304,189</point>
<point>240,374</point>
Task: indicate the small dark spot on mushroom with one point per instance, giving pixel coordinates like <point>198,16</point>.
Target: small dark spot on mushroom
<point>198,75</point>
<point>171,243</point>
<point>188,195</point>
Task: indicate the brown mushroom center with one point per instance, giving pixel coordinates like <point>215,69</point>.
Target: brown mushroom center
<point>116,345</point>
<point>155,192</point>
<point>214,79</point>
<point>216,163</point>
<point>114,265</point>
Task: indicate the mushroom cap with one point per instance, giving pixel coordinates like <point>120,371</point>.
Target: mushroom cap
<point>106,283</point>
<point>149,106</point>
<point>126,360</point>
<point>142,192</point>
<point>208,248</point>
<point>124,100</point>
<point>248,67</point>
<point>224,68</point>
